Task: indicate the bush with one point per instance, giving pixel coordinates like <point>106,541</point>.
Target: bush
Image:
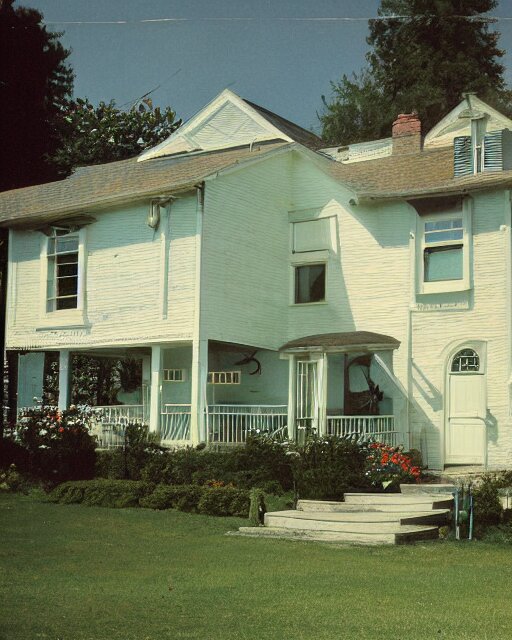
<point>487,507</point>
<point>102,493</point>
<point>326,468</point>
<point>181,497</point>
<point>388,466</point>
<point>58,444</point>
<point>224,501</point>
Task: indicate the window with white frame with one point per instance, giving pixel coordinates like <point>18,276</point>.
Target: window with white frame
<point>309,283</point>
<point>62,253</point>
<point>224,377</point>
<point>444,251</point>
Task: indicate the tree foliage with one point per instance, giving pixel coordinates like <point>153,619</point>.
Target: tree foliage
<point>35,84</point>
<point>423,58</point>
<point>94,135</point>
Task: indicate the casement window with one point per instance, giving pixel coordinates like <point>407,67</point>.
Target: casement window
<point>309,283</point>
<point>224,377</point>
<point>175,375</point>
<point>444,255</point>
<point>63,276</point>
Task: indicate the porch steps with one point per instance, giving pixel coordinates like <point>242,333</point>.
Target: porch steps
<point>363,518</point>
<point>428,489</point>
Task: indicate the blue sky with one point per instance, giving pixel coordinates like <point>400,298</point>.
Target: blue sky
<point>263,50</point>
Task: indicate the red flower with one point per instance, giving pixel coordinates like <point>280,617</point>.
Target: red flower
<point>61,429</point>
<point>385,458</point>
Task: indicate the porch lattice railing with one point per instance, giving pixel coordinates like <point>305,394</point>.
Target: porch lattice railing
<point>381,428</point>
<point>175,422</point>
<point>231,424</point>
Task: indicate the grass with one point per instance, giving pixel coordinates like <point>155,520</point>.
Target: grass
<point>79,573</point>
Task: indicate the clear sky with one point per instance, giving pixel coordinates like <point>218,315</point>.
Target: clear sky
<point>281,54</point>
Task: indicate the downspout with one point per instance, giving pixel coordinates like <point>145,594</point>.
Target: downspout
<point>410,311</point>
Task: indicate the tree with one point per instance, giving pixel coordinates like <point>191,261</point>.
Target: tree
<point>424,56</point>
<point>94,135</point>
<point>35,84</point>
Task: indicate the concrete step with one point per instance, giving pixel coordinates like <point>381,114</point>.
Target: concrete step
<point>402,535</point>
<point>412,503</point>
<point>373,513</point>
<point>359,522</point>
<point>427,489</point>
<point>387,506</point>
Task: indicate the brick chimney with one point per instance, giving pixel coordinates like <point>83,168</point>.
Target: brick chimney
<point>406,134</point>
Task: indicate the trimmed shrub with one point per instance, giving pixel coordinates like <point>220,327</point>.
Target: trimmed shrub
<point>181,497</point>
<point>224,501</point>
<point>326,468</point>
<point>102,493</point>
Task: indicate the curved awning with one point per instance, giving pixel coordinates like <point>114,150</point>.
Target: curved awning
<point>348,341</point>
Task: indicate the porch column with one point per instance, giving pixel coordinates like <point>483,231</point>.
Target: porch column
<point>198,403</point>
<point>146,386</point>
<point>322,395</point>
<point>156,388</point>
<point>64,379</point>
<point>292,381</point>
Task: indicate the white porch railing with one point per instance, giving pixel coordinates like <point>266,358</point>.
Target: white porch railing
<point>108,423</point>
<point>380,428</point>
<point>231,424</point>
<point>175,422</point>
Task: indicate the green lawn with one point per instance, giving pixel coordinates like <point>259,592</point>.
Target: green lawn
<point>77,573</point>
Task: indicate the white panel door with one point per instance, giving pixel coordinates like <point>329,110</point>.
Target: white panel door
<point>466,412</point>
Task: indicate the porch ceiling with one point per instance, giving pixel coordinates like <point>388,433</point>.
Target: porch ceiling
<point>345,342</point>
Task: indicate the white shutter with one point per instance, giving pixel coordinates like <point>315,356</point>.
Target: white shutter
<point>313,235</point>
<point>462,156</point>
<point>493,151</point>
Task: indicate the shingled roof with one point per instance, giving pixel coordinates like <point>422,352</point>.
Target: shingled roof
<point>346,341</point>
<point>117,182</point>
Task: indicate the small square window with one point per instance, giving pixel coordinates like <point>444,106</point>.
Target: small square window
<point>309,283</point>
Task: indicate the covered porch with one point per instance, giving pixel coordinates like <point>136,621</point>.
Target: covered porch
<point>218,393</point>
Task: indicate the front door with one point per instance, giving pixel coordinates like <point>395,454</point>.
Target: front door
<point>465,432</point>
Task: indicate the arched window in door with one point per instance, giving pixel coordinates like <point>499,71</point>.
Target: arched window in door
<point>465,361</point>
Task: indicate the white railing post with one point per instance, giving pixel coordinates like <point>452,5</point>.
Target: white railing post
<point>156,388</point>
<point>292,428</point>
<point>64,379</point>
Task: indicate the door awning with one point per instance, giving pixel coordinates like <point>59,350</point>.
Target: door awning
<point>346,342</point>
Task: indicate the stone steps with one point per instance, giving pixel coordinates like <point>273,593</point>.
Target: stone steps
<point>402,535</point>
<point>364,518</point>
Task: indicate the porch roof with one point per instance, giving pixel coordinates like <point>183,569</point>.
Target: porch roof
<point>342,342</point>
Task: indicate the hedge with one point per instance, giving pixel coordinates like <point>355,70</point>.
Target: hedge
<point>215,501</point>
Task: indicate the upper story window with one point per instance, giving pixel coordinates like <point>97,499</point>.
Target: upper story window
<point>312,243</point>
<point>444,249</point>
<point>63,286</point>
<point>481,151</point>
<point>309,283</point>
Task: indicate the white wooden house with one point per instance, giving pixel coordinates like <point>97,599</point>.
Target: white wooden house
<point>268,283</point>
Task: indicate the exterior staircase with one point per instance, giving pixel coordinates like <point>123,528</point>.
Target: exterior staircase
<point>364,518</point>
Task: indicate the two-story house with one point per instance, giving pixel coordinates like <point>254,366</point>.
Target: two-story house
<point>268,283</point>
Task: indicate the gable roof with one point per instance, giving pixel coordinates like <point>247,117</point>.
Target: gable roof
<point>458,121</point>
<point>229,121</point>
<point>115,183</point>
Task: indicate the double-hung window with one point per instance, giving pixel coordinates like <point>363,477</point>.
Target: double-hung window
<point>444,254</point>
<point>311,245</point>
<point>63,286</point>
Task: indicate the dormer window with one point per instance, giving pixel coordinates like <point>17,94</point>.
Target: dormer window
<point>491,151</point>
